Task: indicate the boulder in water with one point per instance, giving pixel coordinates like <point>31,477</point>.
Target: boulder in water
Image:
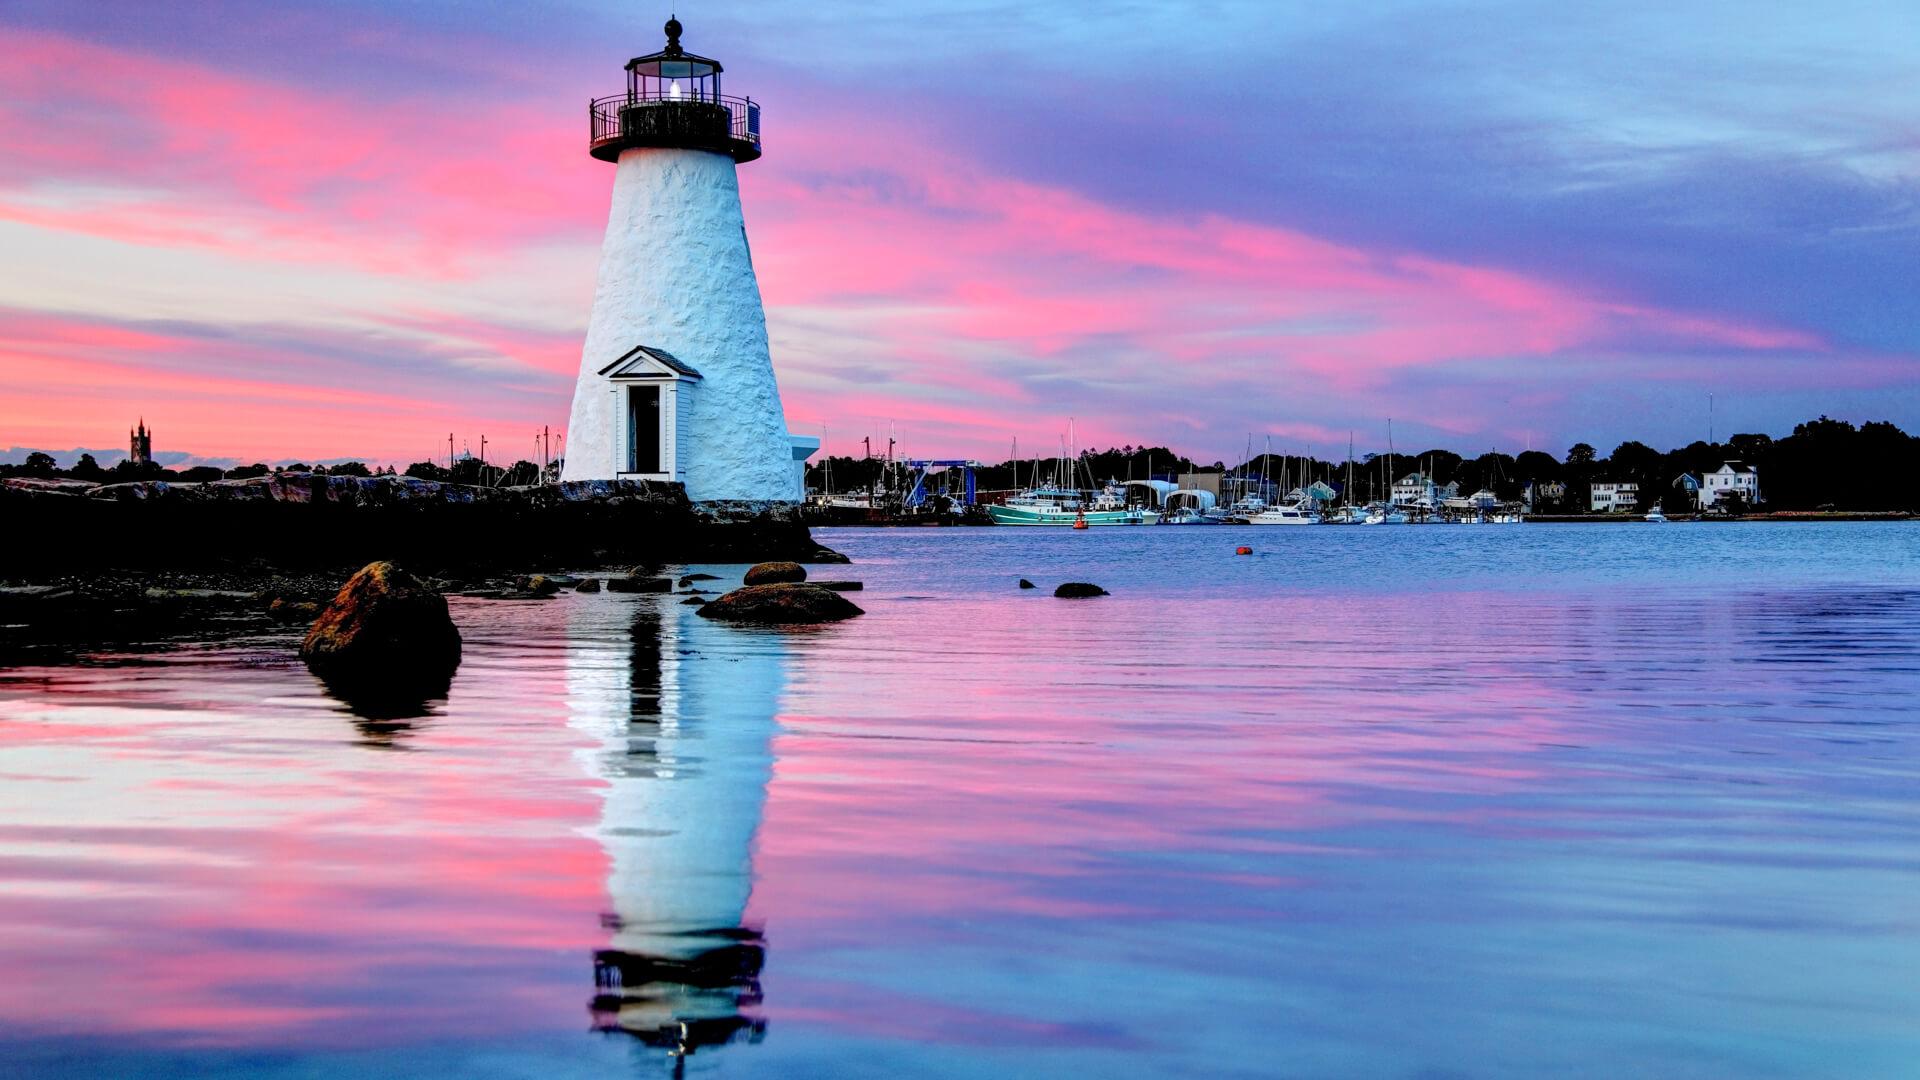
<point>785,603</point>
<point>385,628</point>
<point>775,573</point>
<point>1025,584</point>
<point>841,586</point>
<point>591,584</point>
<point>1076,590</point>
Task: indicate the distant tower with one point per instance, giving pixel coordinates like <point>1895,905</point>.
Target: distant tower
<point>675,378</point>
<point>141,452</point>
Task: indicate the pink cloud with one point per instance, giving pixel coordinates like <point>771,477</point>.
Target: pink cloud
<point>904,280</point>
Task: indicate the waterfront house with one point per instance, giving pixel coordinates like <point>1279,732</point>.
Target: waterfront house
<point>1731,478</point>
<point>1614,498</point>
<point>1686,488</point>
<point>1415,489</point>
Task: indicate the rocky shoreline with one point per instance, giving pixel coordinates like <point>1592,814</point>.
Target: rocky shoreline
<point>142,562</point>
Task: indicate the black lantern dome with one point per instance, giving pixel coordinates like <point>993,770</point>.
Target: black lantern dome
<point>673,99</point>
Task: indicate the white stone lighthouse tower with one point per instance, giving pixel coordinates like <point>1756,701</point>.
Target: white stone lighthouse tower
<point>675,379</point>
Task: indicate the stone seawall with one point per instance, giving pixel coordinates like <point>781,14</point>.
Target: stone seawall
<point>302,520</point>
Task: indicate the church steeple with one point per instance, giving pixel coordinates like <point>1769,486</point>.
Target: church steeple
<point>140,450</point>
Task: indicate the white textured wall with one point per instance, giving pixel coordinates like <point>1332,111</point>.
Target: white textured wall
<point>675,273</point>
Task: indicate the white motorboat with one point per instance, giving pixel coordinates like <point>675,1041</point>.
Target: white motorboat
<point>1289,514</point>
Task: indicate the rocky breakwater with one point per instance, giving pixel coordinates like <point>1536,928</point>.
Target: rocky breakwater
<point>314,520</point>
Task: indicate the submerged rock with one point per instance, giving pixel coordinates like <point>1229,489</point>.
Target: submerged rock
<point>775,573</point>
<point>694,600</point>
<point>293,610</point>
<point>637,584</point>
<point>841,586</point>
<point>688,579</point>
<point>782,603</point>
<point>1076,590</point>
<point>384,629</point>
<point>591,584</point>
<point>1025,584</point>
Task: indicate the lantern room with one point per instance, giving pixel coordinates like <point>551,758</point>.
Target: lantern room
<point>673,99</point>
<point>673,74</point>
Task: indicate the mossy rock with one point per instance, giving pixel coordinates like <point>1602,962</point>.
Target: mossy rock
<point>384,626</point>
<point>786,603</point>
<point>775,573</point>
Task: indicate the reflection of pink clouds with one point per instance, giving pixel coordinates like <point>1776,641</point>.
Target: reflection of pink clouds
<point>1044,779</point>
<point>285,885</point>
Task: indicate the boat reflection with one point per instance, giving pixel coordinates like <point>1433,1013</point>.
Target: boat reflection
<point>687,719</point>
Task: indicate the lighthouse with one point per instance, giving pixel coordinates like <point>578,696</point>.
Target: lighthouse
<point>676,381</point>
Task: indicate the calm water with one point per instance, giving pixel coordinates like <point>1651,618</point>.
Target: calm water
<point>1414,802</point>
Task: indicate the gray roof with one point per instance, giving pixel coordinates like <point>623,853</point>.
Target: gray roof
<point>654,353</point>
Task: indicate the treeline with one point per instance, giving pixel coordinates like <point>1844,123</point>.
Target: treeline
<point>465,471</point>
<point>1824,464</point>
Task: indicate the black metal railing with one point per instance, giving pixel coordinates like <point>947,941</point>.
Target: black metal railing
<point>611,118</point>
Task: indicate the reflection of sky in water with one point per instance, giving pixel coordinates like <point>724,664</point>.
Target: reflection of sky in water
<point>1445,802</point>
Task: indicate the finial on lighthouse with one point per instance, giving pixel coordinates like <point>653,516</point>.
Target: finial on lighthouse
<point>673,37</point>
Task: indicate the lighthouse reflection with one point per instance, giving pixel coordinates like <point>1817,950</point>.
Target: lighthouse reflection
<point>686,711</point>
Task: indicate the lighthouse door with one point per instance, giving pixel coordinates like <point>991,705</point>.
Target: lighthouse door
<point>643,429</point>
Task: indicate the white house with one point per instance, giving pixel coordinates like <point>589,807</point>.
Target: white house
<point>1610,498</point>
<point>1414,489</point>
<point>1731,478</point>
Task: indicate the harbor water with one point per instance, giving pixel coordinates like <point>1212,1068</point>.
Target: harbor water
<point>1422,802</point>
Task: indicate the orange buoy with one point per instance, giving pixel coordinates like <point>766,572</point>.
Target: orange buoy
<point>1079,521</point>
<point>1243,551</point>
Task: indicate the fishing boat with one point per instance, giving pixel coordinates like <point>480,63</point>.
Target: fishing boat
<point>1654,515</point>
<point>1064,507</point>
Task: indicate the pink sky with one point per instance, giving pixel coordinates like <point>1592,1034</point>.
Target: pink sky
<point>272,268</point>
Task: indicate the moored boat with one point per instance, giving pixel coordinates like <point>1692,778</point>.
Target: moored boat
<point>1063,507</point>
<point>1287,514</point>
